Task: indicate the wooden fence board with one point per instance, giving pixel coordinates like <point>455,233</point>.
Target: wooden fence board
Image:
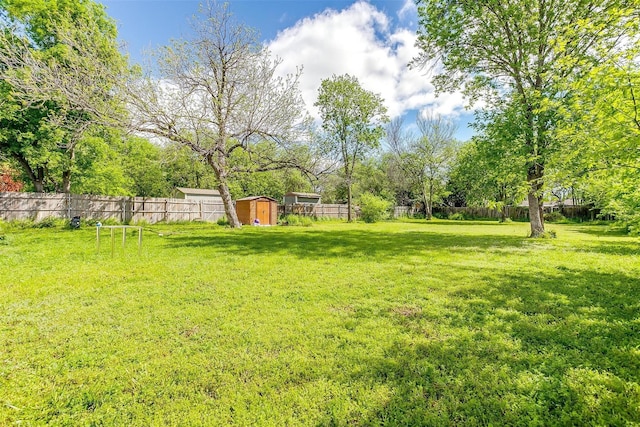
<point>36,206</point>
<point>321,210</point>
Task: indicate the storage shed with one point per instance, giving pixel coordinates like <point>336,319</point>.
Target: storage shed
<point>301,198</point>
<point>197,194</point>
<point>262,208</point>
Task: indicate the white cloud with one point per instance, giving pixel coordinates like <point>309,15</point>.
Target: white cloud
<point>361,41</point>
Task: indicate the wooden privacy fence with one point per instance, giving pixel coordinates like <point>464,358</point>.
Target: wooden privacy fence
<point>323,210</point>
<point>520,212</point>
<point>37,206</point>
<point>513,212</point>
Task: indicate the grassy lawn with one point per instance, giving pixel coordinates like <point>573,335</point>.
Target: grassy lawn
<point>403,323</point>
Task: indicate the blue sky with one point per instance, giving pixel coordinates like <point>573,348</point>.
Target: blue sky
<point>373,40</point>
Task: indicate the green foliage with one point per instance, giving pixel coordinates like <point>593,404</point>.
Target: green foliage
<point>554,216</point>
<point>110,221</point>
<point>297,220</point>
<point>548,235</point>
<point>142,162</point>
<point>540,47</point>
<point>490,169</point>
<point>353,122</point>
<point>370,176</point>
<point>51,222</point>
<point>398,323</point>
<point>99,166</point>
<point>50,91</point>
<point>600,133</point>
<point>373,208</point>
<point>458,216</point>
<point>184,168</point>
<point>223,222</point>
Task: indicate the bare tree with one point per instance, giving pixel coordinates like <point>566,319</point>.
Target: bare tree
<point>425,160</point>
<point>219,93</point>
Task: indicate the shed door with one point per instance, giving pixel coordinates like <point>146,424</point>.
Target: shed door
<point>262,212</point>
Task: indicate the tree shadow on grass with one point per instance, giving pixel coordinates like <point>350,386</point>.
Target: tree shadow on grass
<point>599,230</point>
<point>543,350</point>
<point>344,243</point>
<point>307,243</point>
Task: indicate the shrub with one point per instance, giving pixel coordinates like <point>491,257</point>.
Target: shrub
<point>223,222</point>
<point>548,235</point>
<point>139,223</point>
<point>21,224</point>
<point>554,217</point>
<point>458,216</point>
<point>110,221</point>
<point>373,208</point>
<point>297,220</point>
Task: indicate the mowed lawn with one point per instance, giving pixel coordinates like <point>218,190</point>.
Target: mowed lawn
<point>403,323</point>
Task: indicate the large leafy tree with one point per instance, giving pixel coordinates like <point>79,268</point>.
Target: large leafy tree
<point>220,93</point>
<point>600,131</point>
<point>43,68</point>
<point>353,121</point>
<point>524,50</point>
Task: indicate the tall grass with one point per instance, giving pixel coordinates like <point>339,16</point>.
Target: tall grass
<point>403,323</point>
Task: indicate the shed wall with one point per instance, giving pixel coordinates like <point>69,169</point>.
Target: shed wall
<point>243,209</point>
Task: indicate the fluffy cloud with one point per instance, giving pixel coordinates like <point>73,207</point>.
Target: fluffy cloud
<point>364,42</point>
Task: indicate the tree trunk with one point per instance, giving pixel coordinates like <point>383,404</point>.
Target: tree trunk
<point>430,202</point>
<point>66,174</point>
<point>219,166</point>
<point>503,213</point>
<point>535,173</point>
<point>36,176</point>
<point>535,217</point>
<point>349,196</point>
<point>66,181</point>
<point>229,208</point>
<point>38,186</point>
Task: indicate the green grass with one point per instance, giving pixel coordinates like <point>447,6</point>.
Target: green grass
<point>401,323</point>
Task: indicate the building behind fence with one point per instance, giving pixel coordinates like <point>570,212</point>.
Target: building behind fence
<point>38,206</point>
